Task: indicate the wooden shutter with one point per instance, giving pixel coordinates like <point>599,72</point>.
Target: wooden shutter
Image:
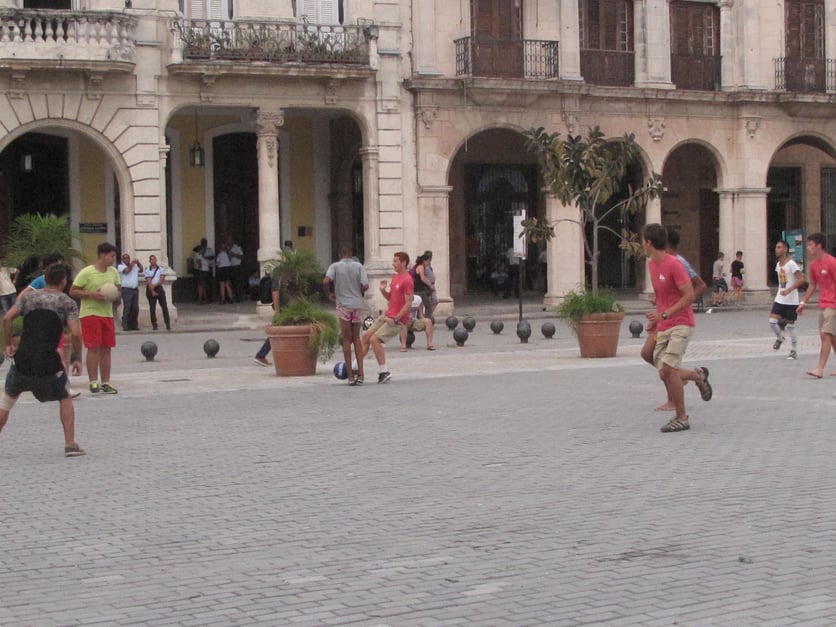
<point>606,24</point>
<point>695,29</point>
<point>804,25</point>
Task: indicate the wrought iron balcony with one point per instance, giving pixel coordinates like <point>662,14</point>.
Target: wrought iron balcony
<point>689,71</point>
<point>608,67</point>
<point>275,42</point>
<point>805,75</point>
<point>506,58</point>
<point>64,37</point>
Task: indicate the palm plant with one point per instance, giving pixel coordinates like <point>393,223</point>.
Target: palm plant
<point>589,173</point>
<point>299,273</point>
<point>38,235</point>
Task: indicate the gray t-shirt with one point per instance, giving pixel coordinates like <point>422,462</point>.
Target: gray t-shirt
<point>348,277</point>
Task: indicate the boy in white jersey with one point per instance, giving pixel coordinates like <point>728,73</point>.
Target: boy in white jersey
<point>784,309</point>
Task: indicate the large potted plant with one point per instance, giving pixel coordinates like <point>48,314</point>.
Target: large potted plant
<point>301,332</point>
<point>589,173</point>
<point>595,319</point>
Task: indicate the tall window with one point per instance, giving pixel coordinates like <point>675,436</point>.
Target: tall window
<point>804,20</point>
<point>606,24</point>
<point>321,11</point>
<point>695,29</point>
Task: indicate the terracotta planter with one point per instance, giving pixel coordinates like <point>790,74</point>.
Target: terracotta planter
<point>289,346</point>
<point>598,334</point>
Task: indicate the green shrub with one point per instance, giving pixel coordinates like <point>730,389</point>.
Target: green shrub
<point>326,337</point>
<point>579,303</point>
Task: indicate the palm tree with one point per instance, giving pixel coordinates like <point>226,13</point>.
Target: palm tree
<point>38,235</point>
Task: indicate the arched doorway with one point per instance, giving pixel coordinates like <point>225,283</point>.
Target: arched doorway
<point>691,206</point>
<point>493,177</point>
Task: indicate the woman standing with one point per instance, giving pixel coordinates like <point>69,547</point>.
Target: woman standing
<point>155,292</point>
<point>224,265</point>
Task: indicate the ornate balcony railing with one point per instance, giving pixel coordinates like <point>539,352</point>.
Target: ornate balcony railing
<point>608,67</point>
<point>805,75</point>
<point>277,42</point>
<point>41,34</point>
<point>506,58</point>
<point>689,71</point>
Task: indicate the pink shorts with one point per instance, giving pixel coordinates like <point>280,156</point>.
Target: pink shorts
<point>735,282</point>
<point>349,315</point>
<point>98,332</point>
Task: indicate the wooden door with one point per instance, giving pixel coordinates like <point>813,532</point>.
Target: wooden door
<point>496,30</point>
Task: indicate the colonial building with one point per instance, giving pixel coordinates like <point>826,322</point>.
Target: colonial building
<point>399,124</point>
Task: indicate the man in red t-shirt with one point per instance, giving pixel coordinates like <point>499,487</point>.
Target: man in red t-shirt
<point>399,294</point>
<point>822,274</point>
<point>673,322</point>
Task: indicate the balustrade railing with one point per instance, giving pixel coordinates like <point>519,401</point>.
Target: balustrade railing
<point>694,71</point>
<point>279,42</point>
<point>805,75</point>
<point>506,58</point>
<point>68,35</point>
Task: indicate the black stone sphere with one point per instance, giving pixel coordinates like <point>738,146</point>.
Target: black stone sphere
<point>149,350</point>
<point>636,328</point>
<point>548,330</point>
<point>452,322</point>
<point>497,326</point>
<point>211,348</point>
<point>469,324</point>
<point>460,335</point>
<point>410,339</point>
<point>523,331</point>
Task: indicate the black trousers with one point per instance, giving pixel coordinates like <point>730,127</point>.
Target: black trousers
<point>130,309</point>
<point>158,296</point>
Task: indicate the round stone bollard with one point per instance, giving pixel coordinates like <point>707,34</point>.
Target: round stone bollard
<point>548,330</point>
<point>148,350</point>
<point>460,335</point>
<point>636,328</point>
<point>523,331</point>
<point>452,322</point>
<point>497,326</point>
<point>211,348</point>
<point>469,323</point>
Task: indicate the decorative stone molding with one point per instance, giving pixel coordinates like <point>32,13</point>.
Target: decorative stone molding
<point>268,122</point>
<point>94,85</point>
<point>331,88</point>
<point>17,85</point>
<point>207,84</point>
<point>752,125</point>
<point>146,101</point>
<point>656,128</point>
<point>428,116</point>
<point>570,118</point>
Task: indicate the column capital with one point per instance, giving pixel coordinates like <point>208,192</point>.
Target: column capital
<point>426,191</point>
<point>743,192</point>
<point>369,152</point>
<point>268,122</point>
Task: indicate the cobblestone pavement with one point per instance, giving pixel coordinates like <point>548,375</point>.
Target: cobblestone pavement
<point>495,484</point>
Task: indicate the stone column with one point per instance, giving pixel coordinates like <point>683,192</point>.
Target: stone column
<point>728,51</point>
<point>565,251</point>
<point>655,20</point>
<point>371,203</point>
<point>163,256</point>
<point>569,49</point>
<point>652,215</point>
<point>750,206</point>
<point>434,212</point>
<point>267,131</point>
<point>726,225</point>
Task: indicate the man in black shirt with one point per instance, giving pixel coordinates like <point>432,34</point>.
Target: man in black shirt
<point>37,367</point>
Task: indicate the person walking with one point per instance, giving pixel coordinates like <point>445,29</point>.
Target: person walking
<point>129,271</point>
<point>822,275</point>
<point>155,292</point>
<point>673,320</point>
<point>37,367</point>
<point>96,316</point>
<point>399,295</point>
<point>785,307</point>
<point>718,278</point>
<point>8,293</point>
<point>261,356</point>
<point>737,271</point>
<point>350,282</point>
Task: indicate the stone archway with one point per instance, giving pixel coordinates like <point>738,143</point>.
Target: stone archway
<point>691,206</point>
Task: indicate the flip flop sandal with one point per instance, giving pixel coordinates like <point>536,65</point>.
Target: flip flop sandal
<point>674,426</point>
<point>704,386</point>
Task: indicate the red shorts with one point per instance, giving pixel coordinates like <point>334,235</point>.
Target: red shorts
<point>98,332</point>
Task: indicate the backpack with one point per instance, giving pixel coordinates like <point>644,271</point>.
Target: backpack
<point>265,290</point>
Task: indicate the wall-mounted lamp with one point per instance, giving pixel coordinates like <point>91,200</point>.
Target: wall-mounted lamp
<point>197,157</point>
<point>26,163</point>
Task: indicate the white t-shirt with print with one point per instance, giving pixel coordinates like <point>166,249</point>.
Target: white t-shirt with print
<point>786,277</point>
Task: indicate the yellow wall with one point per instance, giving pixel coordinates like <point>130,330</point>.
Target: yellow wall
<point>301,164</point>
<point>92,190</point>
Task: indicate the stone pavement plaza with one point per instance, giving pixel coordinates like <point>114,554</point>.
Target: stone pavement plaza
<point>495,484</point>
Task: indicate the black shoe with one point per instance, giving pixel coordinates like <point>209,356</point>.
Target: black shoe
<point>384,377</point>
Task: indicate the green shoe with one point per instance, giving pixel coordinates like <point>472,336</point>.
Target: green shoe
<point>108,389</point>
<point>94,388</point>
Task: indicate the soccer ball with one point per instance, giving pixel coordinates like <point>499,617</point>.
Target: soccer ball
<point>340,371</point>
<point>110,292</point>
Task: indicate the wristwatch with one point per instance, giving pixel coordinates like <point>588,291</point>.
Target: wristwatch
<point>664,315</point>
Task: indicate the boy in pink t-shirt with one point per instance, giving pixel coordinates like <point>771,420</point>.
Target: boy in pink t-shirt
<point>673,321</point>
<point>822,275</point>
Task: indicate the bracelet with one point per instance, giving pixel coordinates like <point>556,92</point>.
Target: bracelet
<point>801,303</point>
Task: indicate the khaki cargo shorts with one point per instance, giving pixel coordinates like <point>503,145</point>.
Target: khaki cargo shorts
<point>827,321</point>
<point>671,345</point>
